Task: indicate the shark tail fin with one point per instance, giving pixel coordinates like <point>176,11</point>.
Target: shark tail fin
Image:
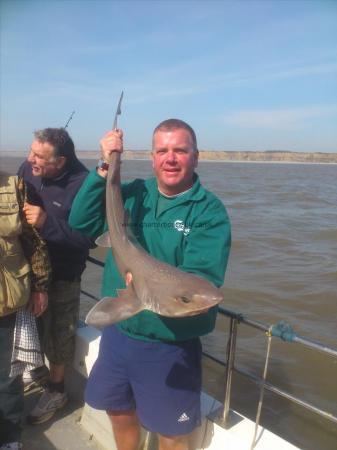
<point>111,310</point>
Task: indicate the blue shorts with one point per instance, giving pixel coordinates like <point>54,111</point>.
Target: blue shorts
<point>161,381</point>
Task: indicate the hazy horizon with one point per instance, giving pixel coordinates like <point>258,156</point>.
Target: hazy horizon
<point>97,151</point>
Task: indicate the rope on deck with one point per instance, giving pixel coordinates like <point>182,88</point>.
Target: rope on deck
<point>262,389</point>
<point>284,331</point>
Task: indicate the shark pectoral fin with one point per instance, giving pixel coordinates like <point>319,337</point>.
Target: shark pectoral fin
<point>111,310</point>
<point>103,240</point>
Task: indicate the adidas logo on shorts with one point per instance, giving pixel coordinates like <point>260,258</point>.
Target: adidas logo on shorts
<point>183,418</point>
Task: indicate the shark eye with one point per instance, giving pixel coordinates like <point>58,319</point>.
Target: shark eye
<point>185,299</point>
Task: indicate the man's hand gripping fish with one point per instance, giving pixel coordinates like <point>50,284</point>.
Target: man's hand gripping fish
<point>152,284</point>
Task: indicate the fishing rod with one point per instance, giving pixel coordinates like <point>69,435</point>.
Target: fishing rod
<point>118,111</point>
<point>71,116</point>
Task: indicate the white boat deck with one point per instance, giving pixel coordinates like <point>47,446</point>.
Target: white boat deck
<point>63,432</point>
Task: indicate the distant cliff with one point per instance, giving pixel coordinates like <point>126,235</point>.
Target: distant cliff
<point>267,156</point>
<point>212,155</point>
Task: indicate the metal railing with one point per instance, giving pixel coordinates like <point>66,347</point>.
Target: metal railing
<point>235,319</point>
<point>286,334</point>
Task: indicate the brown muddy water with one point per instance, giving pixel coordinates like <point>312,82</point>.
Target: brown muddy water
<point>283,266</point>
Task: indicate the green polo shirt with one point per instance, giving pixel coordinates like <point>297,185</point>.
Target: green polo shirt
<point>190,231</point>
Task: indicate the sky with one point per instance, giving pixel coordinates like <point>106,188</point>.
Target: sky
<point>246,75</point>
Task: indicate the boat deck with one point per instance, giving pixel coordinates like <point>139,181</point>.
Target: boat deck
<point>62,432</point>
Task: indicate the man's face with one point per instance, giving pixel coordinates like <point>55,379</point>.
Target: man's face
<point>44,163</point>
<point>174,160</point>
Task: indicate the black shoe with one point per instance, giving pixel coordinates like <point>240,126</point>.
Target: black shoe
<point>35,379</point>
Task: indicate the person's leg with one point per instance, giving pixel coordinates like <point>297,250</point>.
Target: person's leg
<point>166,382</point>
<point>60,324</point>
<point>126,429</point>
<point>108,388</point>
<point>57,372</point>
<point>174,442</point>
<point>11,389</point>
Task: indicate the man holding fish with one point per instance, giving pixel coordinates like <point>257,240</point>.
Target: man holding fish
<point>170,241</point>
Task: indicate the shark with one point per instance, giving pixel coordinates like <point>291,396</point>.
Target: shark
<point>150,284</point>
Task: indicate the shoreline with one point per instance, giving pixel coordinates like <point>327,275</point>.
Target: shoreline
<point>129,156</point>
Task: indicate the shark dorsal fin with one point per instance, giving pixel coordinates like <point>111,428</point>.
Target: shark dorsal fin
<point>104,240</point>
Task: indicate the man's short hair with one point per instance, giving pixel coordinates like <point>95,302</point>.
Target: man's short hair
<point>175,124</point>
<point>60,140</point>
